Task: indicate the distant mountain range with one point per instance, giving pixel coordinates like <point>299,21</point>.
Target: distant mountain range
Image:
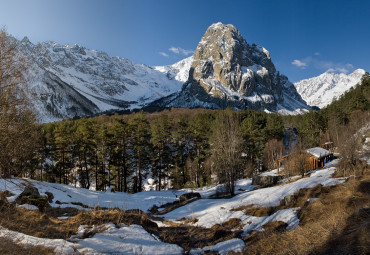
<point>320,91</point>
<point>66,81</point>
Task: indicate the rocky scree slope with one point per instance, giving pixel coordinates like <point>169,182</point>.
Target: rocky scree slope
<point>227,71</point>
<point>320,91</point>
<point>67,81</point>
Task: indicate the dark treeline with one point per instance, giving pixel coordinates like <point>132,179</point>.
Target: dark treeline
<point>189,148</point>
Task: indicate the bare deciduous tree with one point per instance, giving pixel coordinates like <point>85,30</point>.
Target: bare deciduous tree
<point>17,131</point>
<point>274,149</point>
<point>227,144</point>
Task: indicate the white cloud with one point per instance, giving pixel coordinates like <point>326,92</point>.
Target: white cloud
<point>334,67</point>
<point>337,70</point>
<point>179,50</point>
<point>317,53</point>
<point>163,54</point>
<point>299,63</point>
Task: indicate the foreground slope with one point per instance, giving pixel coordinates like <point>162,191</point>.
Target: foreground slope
<point>206,213</point>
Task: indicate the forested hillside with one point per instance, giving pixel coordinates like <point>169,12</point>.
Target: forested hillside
<point>176,148</point>
<point>336,121</point>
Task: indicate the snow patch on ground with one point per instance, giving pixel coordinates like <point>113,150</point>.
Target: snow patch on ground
<point>28,207</point>
<point>67,195</point>
<point>223,248</point>
<point>59,246</point>
<point>126,240</point>
<point>217,211</point>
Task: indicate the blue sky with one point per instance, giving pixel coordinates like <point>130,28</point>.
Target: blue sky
<point>305,38</point>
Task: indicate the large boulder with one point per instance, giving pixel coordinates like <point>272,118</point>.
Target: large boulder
<point>31,195</point>
<point>266,180</point>
<point>30,191</point>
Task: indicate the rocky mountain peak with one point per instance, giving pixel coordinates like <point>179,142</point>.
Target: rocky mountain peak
<point>222,49</point>
<point>224,59</point>
<point>228,71</point>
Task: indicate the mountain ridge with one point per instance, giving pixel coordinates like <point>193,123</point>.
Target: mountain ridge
<point>321,90</point>
<point>69,80</point>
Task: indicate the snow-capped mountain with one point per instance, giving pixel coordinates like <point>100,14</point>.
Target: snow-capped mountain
<point>321,90</point>
<point>178,71</point>
<point>227,71</point>
<point>67,81</point>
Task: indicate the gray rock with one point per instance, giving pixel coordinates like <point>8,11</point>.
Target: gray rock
<point>289,199</point>
<point>30,191</point>
<point>188,196</point>
<point>266,180</point>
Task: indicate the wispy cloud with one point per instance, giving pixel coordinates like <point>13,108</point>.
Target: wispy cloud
<point>334,67</point>
<point>323,65</point>
<point>299,63</point>
<point>317,53</point>
<point>164,54</point>
<point>179,50</point>
<point>337,70</point>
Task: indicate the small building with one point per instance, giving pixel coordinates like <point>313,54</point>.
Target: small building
<point>319,156</point>
<point>314,157</point>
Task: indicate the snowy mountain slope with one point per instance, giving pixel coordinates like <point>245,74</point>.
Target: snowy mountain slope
<point>178,71</point>
<point>227,71</point>
<point>67,81</point>
<point>321,90</point>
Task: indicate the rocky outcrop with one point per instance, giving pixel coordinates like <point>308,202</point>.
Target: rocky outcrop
<point>227,71</point>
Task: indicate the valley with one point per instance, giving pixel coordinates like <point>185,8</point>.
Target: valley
<point>218,153</point>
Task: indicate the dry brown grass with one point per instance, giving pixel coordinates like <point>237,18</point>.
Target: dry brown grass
<point>46,225</point>
<point>299,199</point>
<point>10,248</point>
<point>337,223</point>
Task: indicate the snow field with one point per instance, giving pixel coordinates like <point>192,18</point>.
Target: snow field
<point>136,240</point>
<point>218,211</point>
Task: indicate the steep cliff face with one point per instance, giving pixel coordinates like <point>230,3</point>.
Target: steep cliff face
<point>321,90</point>
<point>227,71</point>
